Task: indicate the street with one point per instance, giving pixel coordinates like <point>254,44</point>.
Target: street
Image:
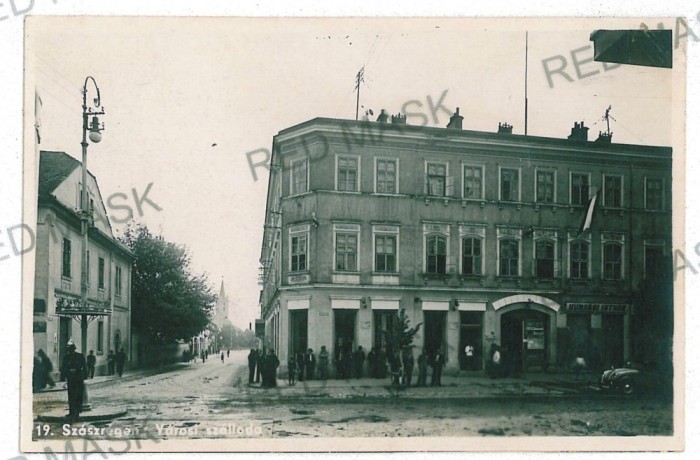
<point>213,400</point>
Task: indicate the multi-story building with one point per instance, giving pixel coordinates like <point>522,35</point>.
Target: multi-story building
<point>476,235</point>
<point>57,279</point>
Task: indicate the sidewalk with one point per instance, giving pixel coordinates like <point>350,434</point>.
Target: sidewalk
<point>463,385</point>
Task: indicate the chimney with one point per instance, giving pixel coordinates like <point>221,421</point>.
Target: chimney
<point>398,119</point>
<point>604,138</point>
<point>455,121</point>
<point>505,128</point>
<point>383,117</point>
<point>578,132</point>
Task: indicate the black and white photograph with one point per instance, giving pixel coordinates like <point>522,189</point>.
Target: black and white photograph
<point>353,234</point>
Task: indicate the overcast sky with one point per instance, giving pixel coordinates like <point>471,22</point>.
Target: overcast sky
<point>172,88</point>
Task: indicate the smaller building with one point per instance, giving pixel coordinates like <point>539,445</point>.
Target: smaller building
<point>57,279</point>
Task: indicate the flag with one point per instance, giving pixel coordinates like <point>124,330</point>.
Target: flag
<point>586,224</point>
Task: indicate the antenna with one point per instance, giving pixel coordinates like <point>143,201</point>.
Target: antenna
<point>607,118</point>
<point>526,40</point>
<point>359,78</point>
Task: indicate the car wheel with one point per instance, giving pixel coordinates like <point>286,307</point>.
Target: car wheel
<point>627,387</point>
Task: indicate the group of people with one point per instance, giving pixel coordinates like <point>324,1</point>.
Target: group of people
<point>41,374</point>
<point>262,367</point>
<point>349,364</point>
<point>302,365</point>
<point>43,367</point>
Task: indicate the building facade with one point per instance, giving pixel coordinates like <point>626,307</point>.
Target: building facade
<point>57,280</point>
<point>478,236</point>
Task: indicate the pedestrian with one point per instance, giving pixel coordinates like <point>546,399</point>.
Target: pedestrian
<point>301,365</point>
<point>358,362</point>
<point>262,358</point>
<point>120,359</point>
<point>493,366</point>
<point>408,363</point>
<point>258,362</point>
<point>110,363</point>
<point>91,361</point>
<point>46,369</point>
<point>74,369</point>
<point>381,364</point>
<point>252,358</point>
<point>422,368</point>
<point>469,357</point>
<point>203,356</point>
<point>222,356</point>
<point>291,370</point>
<point>310,364</point>
<point>228,353</point>
<point>323,362</point>
<point>37,372</point>
<point>372,360</point>
<point>438,362</point>
<point>269,371</point>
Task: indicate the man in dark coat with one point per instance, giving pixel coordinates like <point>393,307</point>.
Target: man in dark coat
<point>323,363</point>
<point>91,361</point>
<point>74,369</point>
<point>259,357</point>
<point>310,364</point>
<point>252,359</point>
<point>110,363</point>
<point>408,363</point>
<point>120,359</point>
<point>301,365</point>
<point>372,359</point>
<point>46,368</point>
<point>358,362</point>
<point>438,362</point>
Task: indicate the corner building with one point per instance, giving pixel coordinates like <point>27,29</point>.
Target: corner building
<point>475,235</point>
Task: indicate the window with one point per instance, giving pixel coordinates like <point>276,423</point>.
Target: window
<point>612,261</point>
<point>612,191</point>
<point>100,337</point>
<point>436,255</point>
<point>100,273</point>
<point>346,251</point>
<point>579,259</point>
<point>473,181</point>
<point>579,188</point>
<point>300,176</point>
<point>386,176</point>
<point>508,250</point>
<point>298,260</point>
<point>65,265</point>
<point>347,174</point>
<point>471,256</point>
<point>117,281</point>
<point>544,259</point>
<point>437,179</point>
<point>545,186</point>
<point>654,196</point>
<point>510,184</point>
<point>385,253</point>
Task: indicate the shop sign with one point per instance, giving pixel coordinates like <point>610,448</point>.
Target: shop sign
<point>596,308</point>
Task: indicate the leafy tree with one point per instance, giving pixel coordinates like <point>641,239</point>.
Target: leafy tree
<point>399,337</point>
<point>168,302</point>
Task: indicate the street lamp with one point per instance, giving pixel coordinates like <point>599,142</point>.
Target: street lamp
<point>95,134</point>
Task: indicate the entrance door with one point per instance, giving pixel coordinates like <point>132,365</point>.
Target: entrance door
<point>524,340</point>
<point>470,333</point>
<point>298,331</point>
<point>344,332</point>
<point>434,331</point>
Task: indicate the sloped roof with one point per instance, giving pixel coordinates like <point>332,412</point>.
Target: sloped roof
<point>54,168</point>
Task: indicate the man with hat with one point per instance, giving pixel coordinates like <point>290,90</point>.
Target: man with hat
<point>74,370</point>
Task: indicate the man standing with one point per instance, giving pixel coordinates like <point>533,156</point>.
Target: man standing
<point>372,359</point>
<point>301,364</point>
<point>74,371</point>
<point>438,362</point>
<point>91,361</point>
<point>258,362</point>
<point>323,362</point>
<point>408,363</point>
<point>469,357</point>
<point>310,364</point>
<point>252,359</point>
<point>359,362</point>
<point>110,363</point>
<point>120,360</point>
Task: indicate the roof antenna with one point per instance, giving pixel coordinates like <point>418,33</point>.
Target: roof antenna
<point>607,118</point>
<point>359,78</point>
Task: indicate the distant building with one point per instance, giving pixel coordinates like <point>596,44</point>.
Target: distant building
<point>475,235</point>
<point>57,279</point>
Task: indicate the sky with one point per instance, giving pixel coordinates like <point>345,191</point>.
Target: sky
<point>187,98</point>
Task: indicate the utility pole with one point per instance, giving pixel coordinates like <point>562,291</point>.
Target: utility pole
<point>359,78</point>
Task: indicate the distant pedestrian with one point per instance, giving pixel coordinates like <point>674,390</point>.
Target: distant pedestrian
<point>358,362</point>
<point>258,361</point>
<point>110,363</point>
<point>381,364</point>
<point>323,363</point>
<point>301,365</point>
<point>252,360</point>
<point>46,369</point>
<point>37,372</point>
<point>408,363</point>
<point>269,369</point>
<point>291,370</point>
<point>120,359</point>
<point>372,361</point>
<point>422,369</point>
<point>310,364</point>
<point>494,364</point>
<point>203,356</point>
<point>91,361</point>
<point>74,369</point>
<point>222,356</point>
<point>228,353</point>
<point>438,362</point>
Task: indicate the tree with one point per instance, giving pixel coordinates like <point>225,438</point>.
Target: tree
<point>399,337</point>
<point>168,302</point>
